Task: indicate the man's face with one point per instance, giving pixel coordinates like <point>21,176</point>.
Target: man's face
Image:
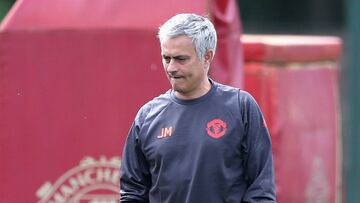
<point>185,71</point>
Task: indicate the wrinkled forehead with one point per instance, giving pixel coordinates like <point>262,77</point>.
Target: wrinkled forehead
<point>181,45</point>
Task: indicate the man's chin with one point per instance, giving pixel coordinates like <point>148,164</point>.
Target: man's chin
<point>178,89</point>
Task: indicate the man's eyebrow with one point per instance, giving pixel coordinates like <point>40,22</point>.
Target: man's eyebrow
<point>176,56</point>
<point>181,56</point>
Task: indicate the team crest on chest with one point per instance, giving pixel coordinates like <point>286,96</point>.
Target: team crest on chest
<point>216,128</point>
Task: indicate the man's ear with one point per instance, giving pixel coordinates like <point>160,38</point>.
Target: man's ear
<point>209,55</point>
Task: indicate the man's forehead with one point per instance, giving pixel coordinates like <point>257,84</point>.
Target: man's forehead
<point>181,45</point>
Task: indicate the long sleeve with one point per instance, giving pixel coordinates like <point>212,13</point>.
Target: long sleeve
<point>259,167</point>
<point>135,179</point>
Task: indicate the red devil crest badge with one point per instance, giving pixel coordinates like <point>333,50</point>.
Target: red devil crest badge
<point>216,128</point>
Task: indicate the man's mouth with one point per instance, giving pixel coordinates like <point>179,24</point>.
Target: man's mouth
<point>176,77</point>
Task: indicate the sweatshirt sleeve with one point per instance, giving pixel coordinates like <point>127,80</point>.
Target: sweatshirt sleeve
<point>135,179</point>
<point>259,167</point>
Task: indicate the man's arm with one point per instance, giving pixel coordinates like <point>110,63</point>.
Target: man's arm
<point>259,167</point>
<point>134,174</point>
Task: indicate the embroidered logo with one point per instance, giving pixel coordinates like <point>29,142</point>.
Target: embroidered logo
<point>216,128</point>
<point>165,132</point>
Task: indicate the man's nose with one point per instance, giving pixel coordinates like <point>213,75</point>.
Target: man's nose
<point>172,66</point>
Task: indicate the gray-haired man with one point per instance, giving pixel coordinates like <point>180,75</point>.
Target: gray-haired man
<point>201,141</point>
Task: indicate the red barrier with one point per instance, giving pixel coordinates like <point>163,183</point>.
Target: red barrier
<point>72,76</point>
<point>295,81</point>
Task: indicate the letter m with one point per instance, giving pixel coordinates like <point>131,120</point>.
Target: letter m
<point>167,132</point>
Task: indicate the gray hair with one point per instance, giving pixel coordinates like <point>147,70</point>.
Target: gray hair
<point>198,28</point>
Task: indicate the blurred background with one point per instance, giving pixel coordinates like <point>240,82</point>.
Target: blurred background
<point>311,17</point>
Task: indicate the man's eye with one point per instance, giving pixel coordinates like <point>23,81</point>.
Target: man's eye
<point>167,59</point>
<point>181,59</point>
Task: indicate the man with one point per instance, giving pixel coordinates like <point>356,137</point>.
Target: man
<point>201,141</point>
